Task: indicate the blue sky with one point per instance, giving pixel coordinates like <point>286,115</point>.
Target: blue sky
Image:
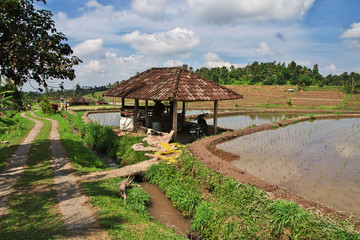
<point>117,39</point>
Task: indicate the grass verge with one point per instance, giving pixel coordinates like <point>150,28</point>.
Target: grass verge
<point>32,212</point>
<point>81,158</point>
<point>125,219</point>
<point>222,208</point>
<point>12,130</point>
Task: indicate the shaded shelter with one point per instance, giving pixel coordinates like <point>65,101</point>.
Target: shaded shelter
<point>79,101</point>
<point>171,84</point>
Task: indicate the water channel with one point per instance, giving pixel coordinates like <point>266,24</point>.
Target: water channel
<point>162,209</point>
<point>319,160</point>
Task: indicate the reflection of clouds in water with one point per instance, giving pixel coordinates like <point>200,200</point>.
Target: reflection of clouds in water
<point>348,150</point>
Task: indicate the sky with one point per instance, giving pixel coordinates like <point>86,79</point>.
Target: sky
<point>118,38</point>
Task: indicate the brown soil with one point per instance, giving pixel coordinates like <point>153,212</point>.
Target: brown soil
<point>207,153</point>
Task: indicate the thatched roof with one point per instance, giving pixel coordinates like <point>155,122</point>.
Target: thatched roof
<point>168,84</point>
<point>80,100</point>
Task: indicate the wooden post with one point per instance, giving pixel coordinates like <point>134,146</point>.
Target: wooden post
<point>174,116</point>
<point>122,102</point>
<point>146,113</point>
<point>183,115</point>
<point>215,116</point>
<point>136,114</point>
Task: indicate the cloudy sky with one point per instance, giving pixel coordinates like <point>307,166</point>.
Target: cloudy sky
<point>118,38</point>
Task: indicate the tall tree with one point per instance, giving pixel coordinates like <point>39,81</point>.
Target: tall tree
<point>31,49</point>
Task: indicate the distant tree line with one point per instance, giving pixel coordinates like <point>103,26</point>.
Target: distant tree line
<point>272,73</point>
<point>68,93</point>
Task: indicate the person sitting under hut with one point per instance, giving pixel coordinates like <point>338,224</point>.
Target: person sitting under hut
<point>159,108</point>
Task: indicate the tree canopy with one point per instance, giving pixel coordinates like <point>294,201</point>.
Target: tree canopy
<point>31,49</point>
<point>272,73</point>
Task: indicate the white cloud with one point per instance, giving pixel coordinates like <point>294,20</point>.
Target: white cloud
<point>264,50</point>
<point>110,69</point>
<point>179,41</point>
<point>173,63</point>
<point>226,11</point>
<point>330,69</point>
<point>88,47</point>
<point>153,9</point>
<point>353,32</point>
<point>92,66</point>
<point>214,60</point>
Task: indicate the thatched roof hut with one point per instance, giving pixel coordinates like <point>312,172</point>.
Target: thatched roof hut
<point>79,101</point>
<point>172,84</point>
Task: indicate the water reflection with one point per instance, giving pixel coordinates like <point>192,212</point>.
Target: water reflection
<point>319,160</point>
<point>106,119</point>
<point>246,120</point>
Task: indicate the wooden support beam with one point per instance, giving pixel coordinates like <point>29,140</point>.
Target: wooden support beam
<point>146,113</point>
<point>183,115</point>
<point>215,116</point>
<point>136,112</point>
<point>174,118</point>
<point>122,102</point>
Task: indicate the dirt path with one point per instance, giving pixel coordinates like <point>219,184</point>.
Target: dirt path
<point>15,168</point>
<point>79,218</point>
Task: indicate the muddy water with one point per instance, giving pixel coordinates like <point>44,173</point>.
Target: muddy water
<point>162,209</point>
<point>319,160</point>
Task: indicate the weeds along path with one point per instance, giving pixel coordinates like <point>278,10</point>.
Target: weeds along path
<point>15,168</point>
<point>79,218</point>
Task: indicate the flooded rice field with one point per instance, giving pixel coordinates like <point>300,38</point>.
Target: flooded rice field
<point>106,119</point>
<point>246,120</point>
<point>319,160</point>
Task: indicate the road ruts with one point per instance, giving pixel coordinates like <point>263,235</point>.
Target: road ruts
<point>15,168</point>
<point>78,217</point>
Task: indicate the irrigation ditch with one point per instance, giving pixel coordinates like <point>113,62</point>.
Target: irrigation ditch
<point>206,152</point>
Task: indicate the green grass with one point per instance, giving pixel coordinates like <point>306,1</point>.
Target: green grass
<point>81,158</point>
<point>13,130</point>
<point>33,213</point>
<point>222,208</point>
<point>125,219</point>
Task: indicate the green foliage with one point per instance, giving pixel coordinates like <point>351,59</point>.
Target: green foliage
<point>4,100</point>
<point>275,126</point>
<point>101,138</point>
<point>125,154</point>
<point>272,73</point>
<point>289,103</point>
<point>312,116</point>
<point>45,105</point>
<point>31,47</point>
<point>125,219</point>
<point>286,215</point>
<point>80,156</point>
<point>223,208</point>
<point>34,215</point>
<point>77,122</point>
<point>137,199</point>
<point>13,130</point>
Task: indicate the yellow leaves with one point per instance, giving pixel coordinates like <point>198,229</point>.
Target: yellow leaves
<point>169,152</point>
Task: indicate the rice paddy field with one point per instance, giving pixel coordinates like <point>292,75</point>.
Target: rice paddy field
<point>319,160</point>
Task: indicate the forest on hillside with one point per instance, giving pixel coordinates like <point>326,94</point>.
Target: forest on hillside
<point>272,73</point>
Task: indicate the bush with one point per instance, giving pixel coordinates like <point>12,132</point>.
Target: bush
<point>101,138</point>
<point>125,154</point>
